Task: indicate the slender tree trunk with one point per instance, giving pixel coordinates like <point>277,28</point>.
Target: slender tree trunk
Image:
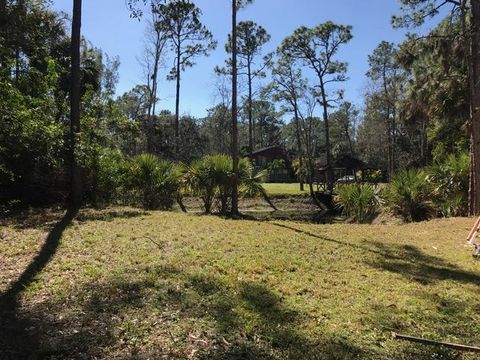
<point>299,140</point>
<point>394,140</point>
<point>390,145</point>
<point>158,53</point>
<point>177,97</point>
<point>159,43</point>
<point>234,110</point>
<point>390,126</point>
<point>148,122</point>
<point>310,180</point>
<point>327,138</point>
<point>250,113</point>
<point>76,171</point>
<point>474,75</point>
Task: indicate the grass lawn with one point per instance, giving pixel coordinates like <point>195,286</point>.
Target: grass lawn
<point>126,284</point>
<point>285,189</point>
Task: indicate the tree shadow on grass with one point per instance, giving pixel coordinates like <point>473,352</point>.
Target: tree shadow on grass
<point>48,250</point>
<point>164,312</point>
<point>406,260</point>
<point>361,247</point>
<point>258,325</point>
<point>109,214</point>
<point>45,218</point>
<point>449,319</point>
<point>450,315</point>
<point>414,264</point>
<point>13,332</point>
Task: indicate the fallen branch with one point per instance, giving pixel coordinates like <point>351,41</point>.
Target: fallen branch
<point>159,245</point>
<point>181,204</point>
<point>436,343</point>
<point>267,199</point>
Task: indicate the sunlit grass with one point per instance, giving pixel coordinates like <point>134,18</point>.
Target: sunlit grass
<point>285,189</point>
<point>188,286</point>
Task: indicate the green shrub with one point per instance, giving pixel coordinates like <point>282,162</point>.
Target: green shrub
<point>111,166</point>
<point>211,179</point>
<point>222,170</point>
<point>251,182</point>
<point>449,180</point>
<point>409,195</point>
<point>155,182</point>
<point>201,181</point>
<point>358,201</point>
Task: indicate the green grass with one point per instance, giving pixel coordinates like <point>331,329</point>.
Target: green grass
<point>285,189</point>
<point>167,285</point>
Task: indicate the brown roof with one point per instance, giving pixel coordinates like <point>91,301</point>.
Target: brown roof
<point>268,149</point>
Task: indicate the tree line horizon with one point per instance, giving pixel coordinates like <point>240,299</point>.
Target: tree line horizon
<point>422,103</point>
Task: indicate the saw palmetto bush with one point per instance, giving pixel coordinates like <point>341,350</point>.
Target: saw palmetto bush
<point>222,170</point>
<point>358,201</point>
<point>211,179</point>
<point>154,182</point>
<point>251,182</point>
<point>202,181</point>
<point>449,182</point>
<point>409,195</point>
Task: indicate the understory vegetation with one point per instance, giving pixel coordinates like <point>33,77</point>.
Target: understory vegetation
<point>129,150</point>
<point>153,183</point>
<point>358,201</point>
<point>414,195</point>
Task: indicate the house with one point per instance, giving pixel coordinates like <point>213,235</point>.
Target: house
<point>345,169</point>
<point>277,161</point>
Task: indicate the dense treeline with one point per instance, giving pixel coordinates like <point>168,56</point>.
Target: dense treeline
<point>416,111</point>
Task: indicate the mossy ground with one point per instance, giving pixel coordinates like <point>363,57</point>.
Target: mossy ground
<point>122,283</point>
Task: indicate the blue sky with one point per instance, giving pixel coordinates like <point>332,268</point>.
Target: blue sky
<point>106,23</point>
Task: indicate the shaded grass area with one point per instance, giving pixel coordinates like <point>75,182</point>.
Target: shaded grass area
<point>295,208</point>
<point>129,284</point>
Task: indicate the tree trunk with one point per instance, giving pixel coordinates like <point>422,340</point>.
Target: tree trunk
<point>250,114</point>
<point>474,198</point>
<point>158,53</point>
<point>394,140</point>
<point>76,171</point>
<point>390,123</point>
<point>390,145</point>
<point>177,96</point>
<point>234,111</point>
<point>329,179</point>
<point>299,141</point>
